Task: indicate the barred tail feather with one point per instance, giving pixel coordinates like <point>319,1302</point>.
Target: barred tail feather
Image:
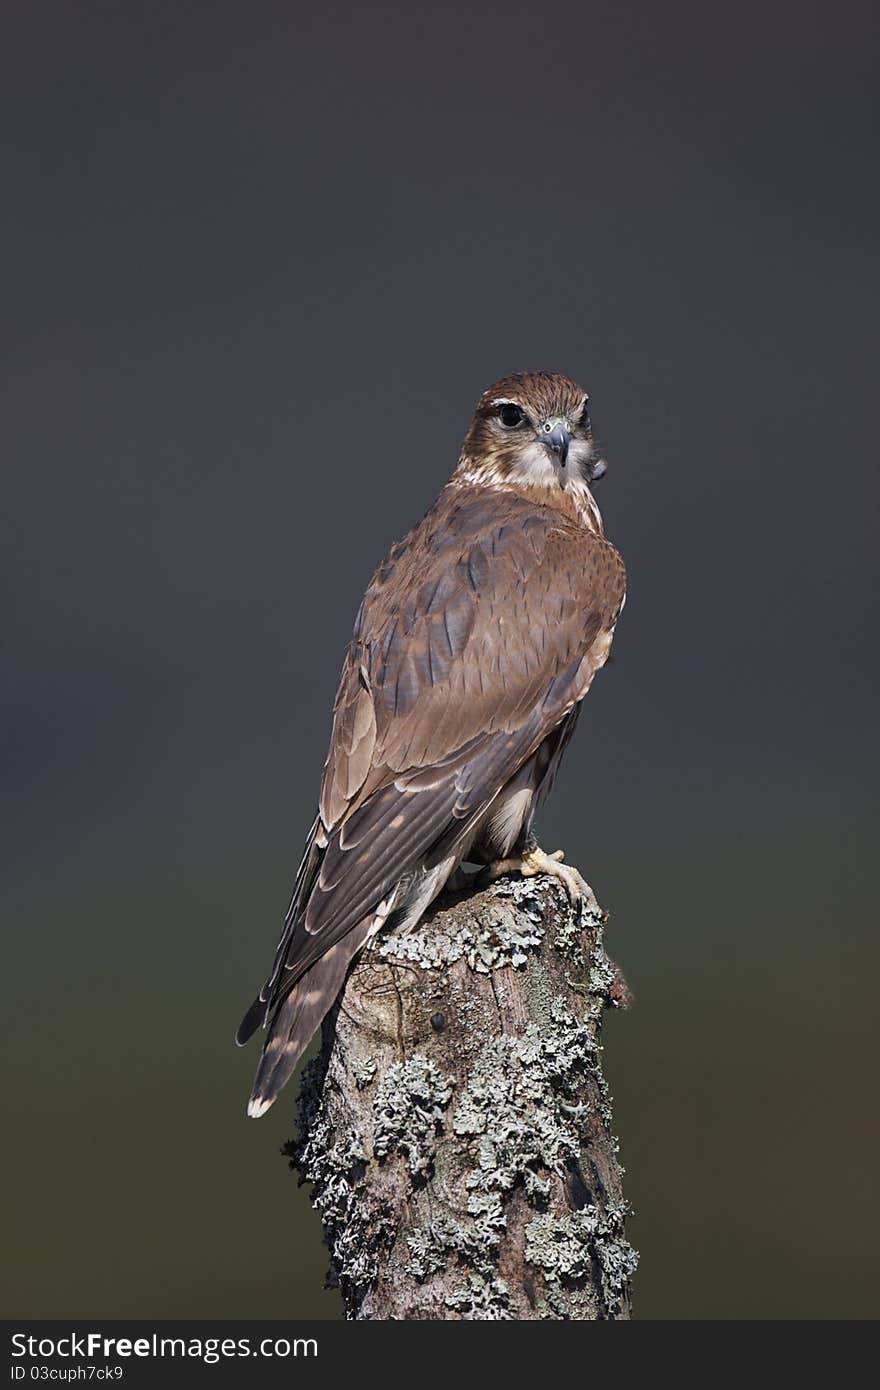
<point>299,1016</point>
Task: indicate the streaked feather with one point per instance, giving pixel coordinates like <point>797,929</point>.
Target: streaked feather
<point>475,641</point>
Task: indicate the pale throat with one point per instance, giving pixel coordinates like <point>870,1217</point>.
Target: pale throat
<point>537,480</point>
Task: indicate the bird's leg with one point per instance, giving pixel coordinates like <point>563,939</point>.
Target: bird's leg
<point>534,861</point>
<point>462,881</point>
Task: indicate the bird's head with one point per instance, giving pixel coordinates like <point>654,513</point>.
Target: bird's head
<point>532,429</point>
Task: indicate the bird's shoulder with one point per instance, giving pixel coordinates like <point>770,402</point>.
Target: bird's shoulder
<point>490,607</point>
<point>474,540</point>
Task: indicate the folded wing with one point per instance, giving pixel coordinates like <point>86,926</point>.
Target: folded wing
<point>477,636</point>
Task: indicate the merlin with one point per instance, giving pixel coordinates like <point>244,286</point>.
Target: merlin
<point>475,643</point>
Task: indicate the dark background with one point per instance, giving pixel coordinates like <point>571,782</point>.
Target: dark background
<point>260,261</point>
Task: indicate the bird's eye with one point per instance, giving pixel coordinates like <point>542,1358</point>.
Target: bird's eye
<point>585,415</point>
<point>511,416</point>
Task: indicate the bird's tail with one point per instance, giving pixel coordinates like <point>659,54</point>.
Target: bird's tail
<point>298,1017</point>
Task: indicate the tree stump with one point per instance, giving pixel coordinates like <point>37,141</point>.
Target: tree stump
<point>456,1126</point>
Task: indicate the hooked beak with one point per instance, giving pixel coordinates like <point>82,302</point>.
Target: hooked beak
<point>557,439</point>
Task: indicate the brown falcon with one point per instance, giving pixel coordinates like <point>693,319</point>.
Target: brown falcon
<point>474,645</point>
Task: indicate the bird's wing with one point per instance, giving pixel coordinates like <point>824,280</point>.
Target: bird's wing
<point>478,634</point>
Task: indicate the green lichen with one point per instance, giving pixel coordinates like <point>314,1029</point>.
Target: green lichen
<point>476,1018</point>
<point>430,1248</point>
<point>408,1111</point>
<point>602,976</point>
<point>520,1108</point>
<point>569,1304</point>
<point>365,1072</point>
<point>481,1298</point>
<point>473,1244</point>
<point>492,936</point>
<point>568,1247</point>
<point>359,1230</point>
<point>572,924</point>
<point>520,1116</point>
<point>510,921</point>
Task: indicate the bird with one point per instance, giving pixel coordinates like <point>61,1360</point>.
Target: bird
<point>473,648</point>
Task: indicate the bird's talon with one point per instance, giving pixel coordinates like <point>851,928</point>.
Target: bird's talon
<point>536,862</point>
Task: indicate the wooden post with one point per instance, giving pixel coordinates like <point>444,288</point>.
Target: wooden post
<point>456,1126</point>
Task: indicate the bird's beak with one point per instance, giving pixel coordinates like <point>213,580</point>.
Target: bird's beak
<point>557,439</point>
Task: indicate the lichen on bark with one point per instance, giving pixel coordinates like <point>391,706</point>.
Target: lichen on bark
<point>456,1126</point>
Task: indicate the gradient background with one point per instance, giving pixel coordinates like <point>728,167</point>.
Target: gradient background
<point>260,261</point>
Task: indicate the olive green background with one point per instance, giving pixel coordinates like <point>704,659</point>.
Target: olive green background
<point>259,262</point>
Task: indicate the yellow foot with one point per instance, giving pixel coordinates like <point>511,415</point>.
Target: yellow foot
<point>537,862</point>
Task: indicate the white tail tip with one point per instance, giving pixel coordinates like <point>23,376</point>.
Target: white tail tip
<point>258,1106</point>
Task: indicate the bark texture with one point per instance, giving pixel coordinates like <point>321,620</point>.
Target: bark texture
<point>456,1126</point>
